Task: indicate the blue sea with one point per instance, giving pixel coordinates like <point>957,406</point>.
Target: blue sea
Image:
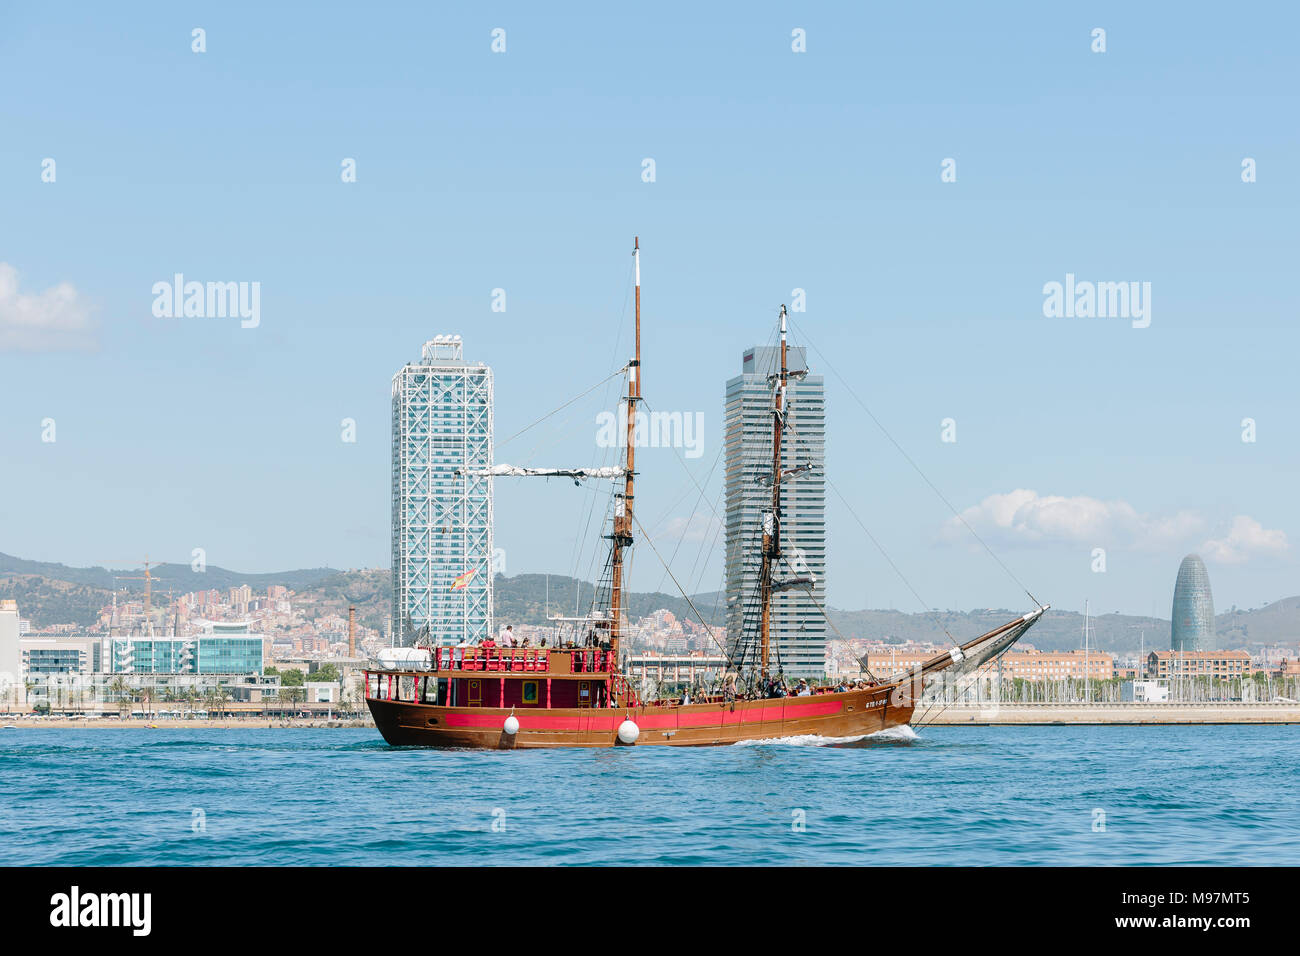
<point>941,795</point>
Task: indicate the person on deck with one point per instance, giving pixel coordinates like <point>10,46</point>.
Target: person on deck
<point>729,687</point>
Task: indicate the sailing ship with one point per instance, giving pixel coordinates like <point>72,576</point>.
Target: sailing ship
<point>577,694</point>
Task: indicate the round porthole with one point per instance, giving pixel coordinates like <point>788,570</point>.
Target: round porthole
<point>432,721</point>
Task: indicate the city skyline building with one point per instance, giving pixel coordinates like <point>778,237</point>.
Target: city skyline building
<point>442,496</point>
<point>217,653</point>
<point>11,659</point>
<point>798,629</point>
<point>224,647</point>
<point>1191,626</point>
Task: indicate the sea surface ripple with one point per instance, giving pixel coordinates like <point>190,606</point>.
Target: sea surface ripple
<point>945,795</point>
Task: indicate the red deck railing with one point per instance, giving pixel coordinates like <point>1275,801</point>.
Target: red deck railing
<point>413,683</point>
<point>519,659</point>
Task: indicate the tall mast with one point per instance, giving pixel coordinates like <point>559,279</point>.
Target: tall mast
<point>772,518</point>
<point>622,536</point>
<point>1086,683</point>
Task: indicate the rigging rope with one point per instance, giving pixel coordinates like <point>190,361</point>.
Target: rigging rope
<point>879,547</point>
<point>809,591</point>
<point>707,630</point>
<point>885,555</point>
<point>562,407</point>
<point>916,467</point>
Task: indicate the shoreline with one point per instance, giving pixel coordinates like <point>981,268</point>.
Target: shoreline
<point>955,715</point>
<point>228,723</point>
<point>1131,715</point>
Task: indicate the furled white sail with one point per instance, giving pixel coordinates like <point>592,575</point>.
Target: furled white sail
<point>516,471</point>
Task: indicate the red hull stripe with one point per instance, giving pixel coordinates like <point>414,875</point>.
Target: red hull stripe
<point>610,719</point>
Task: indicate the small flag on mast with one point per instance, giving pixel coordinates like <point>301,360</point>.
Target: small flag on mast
<point>464,579</point>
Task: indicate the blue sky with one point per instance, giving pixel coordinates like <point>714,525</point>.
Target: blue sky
<point>775,170</point>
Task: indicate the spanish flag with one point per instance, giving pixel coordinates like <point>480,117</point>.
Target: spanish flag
<point>464,579</point>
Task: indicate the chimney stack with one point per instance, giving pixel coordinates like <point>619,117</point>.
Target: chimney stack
<point>352,632</point>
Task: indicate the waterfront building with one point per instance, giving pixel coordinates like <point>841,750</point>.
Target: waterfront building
<point>87,672</point>
<point>11,661</point>
<point>1037,665</point>
<point>1145,692</point>
<point>884,663</point>
<point>321,692</point>
<point>1016,664</point>
<point>442,496</point>
<point>798,629</point>
<point>1192,625</point>
<point>1225,665</point>
<point>66,656</point>
<point>677,668</point>
<point>226,647</point>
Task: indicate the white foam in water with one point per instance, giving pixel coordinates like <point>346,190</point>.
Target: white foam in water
<point>901,732</point>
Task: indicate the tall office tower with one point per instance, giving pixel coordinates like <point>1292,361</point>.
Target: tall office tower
<point>798,629</point>
<point>1192,624</point>
<point>442,496</point>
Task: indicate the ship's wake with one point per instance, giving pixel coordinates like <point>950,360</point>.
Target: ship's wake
<point>900,734</point>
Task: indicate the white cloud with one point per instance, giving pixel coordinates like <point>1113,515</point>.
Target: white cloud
<point>1025,517</point>
<point>1246,538</point>
<point>57,319</point>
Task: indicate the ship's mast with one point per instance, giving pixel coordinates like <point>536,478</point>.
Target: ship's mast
<point>772,518</point>
<point>622,536</point>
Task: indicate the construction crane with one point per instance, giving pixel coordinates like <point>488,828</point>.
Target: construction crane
<point>147,578</point>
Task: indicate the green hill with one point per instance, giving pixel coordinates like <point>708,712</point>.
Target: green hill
<point>523,599</point>
<point>50,594</point>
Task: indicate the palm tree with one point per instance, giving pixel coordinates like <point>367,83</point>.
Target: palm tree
<point>119,689</point>
<point>223,697</point>
<point>283,696</point>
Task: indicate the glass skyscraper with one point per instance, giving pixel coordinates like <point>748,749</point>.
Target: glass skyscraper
<point>1192,626</point>
<point>442,496</point>
<point>798,629</point>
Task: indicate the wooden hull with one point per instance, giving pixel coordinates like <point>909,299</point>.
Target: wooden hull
<point>854,713</point>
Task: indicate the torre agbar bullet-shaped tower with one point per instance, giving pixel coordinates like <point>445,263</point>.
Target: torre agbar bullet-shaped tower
<point>442,497</point>
<point>1192,624</point>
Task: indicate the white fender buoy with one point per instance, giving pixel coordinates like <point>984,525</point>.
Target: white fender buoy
<point>512,724</point>
<point>628,731</point>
